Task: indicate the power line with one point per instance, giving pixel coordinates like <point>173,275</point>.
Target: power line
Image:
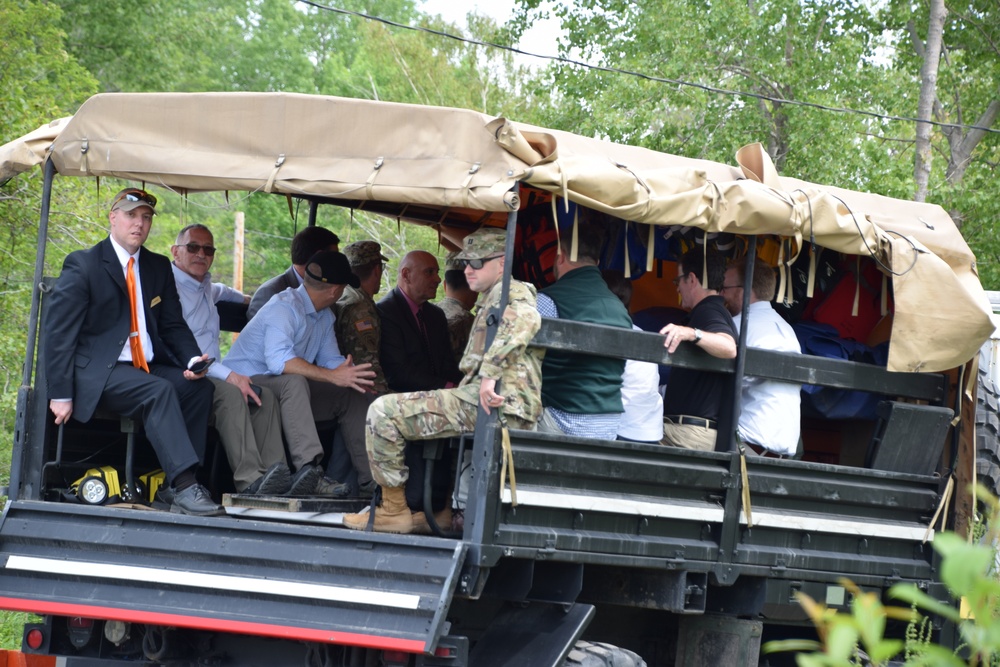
<point>649,77</point>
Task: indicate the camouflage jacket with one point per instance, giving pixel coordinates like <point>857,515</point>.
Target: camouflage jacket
<point>459,324</point>
<point>359,332</point>
<point>509,359</point>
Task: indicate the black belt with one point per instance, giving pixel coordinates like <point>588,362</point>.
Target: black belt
<point>766,453</point>
<point>691,421</point>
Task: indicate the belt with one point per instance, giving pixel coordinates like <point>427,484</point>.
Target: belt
<point>691,421</point>
<point>765,453</point>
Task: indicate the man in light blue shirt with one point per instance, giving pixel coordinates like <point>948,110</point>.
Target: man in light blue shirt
<point>290,346</point>
<point>248,423</point>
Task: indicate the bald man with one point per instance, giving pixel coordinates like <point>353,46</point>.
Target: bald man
<point>416,349</point>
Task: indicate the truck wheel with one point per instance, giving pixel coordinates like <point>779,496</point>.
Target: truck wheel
<point>593,654</point>
<point>988,433</point>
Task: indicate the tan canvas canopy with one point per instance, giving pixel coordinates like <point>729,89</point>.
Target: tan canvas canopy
<point>438,166</point>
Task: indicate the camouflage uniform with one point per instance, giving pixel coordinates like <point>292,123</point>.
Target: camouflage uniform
<point>459,324</point>
<point>422,415</point>
<point>359,333</point>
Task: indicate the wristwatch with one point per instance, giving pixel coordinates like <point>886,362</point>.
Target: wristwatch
<point>697,336</point>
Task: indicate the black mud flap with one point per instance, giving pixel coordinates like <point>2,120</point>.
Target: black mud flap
<point>302,582</point>
<point>532,635</point>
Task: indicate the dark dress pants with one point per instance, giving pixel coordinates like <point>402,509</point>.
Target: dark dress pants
<point>174,411</point>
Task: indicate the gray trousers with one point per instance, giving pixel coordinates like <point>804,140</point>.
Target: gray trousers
<point>304,402</point>
<point>251,437</point>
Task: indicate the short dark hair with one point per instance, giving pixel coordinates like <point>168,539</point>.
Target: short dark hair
<point>455,279</point>
<point>363,271</point>
<point>764,280</point>
<point>310,241</point>
<point>196,225</point>
<point>591,234</point>
<point>619,285</point>
<point>695,259</point>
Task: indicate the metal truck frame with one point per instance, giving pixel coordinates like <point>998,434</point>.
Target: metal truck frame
<point>649,548</point>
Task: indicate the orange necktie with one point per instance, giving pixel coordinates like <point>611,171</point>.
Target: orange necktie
<point>134,340</point>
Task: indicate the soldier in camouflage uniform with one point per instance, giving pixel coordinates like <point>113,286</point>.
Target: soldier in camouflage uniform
<point>421,415</point>
<point>457,305</point>
<point>357,325</point>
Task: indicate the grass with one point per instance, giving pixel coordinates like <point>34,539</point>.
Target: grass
<point>11,627</point>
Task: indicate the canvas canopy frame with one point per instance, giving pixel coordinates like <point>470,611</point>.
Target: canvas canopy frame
<point>456,169</point>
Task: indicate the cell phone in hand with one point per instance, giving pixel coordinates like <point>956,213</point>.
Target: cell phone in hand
<point>256,390</point>
<point>201,366</point>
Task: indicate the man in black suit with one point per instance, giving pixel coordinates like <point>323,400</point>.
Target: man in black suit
<point>416,346</point>
<point>416,353</point>
<point>305,244</point>
<point>99,353</point>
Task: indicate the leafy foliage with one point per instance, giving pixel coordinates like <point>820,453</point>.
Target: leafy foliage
<point>968,570</point>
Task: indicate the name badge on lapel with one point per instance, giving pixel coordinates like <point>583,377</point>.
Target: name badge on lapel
<point>154,302</point>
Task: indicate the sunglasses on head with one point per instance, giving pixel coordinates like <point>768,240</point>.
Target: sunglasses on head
<point>195,248</point>
<point>477,263</point>
<point>136,195</point>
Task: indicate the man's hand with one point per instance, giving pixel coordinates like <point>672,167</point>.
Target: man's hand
<point>487,395</point>
<point>674,335</point>
<point>188,375</point>
<point>356,377</point>
<point>62,410</point>
<point>243,382</point>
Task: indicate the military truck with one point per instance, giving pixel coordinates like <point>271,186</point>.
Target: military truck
<point>601,552</point>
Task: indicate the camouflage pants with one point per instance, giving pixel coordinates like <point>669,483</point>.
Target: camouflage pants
<point>418,415</point>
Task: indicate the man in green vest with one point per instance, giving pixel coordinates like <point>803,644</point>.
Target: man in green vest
<point>581,394</point>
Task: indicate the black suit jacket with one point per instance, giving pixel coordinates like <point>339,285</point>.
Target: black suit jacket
<point>87,322</point>
<point>409,362</point>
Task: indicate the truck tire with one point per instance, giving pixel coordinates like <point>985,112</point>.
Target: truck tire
<point>594,654</point>
<point>988,433</point>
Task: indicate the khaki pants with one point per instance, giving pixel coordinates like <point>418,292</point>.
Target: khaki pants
<point>688,436</point>
<point>251,437</point>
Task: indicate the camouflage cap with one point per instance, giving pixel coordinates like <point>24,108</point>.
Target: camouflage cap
<point>452,263</point>
<point>483,243</point>
<point>363,252</point>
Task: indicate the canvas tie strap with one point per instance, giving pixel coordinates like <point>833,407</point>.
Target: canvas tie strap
<point>744,482</point>
<point>507,463</point>
<point>269,186</point>
<point>942,509</point>
<point>134,340</point>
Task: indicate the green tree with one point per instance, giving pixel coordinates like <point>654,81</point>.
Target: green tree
<point>855,54</point>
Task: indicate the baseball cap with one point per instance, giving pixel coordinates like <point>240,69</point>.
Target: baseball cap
<point>330,266</point>
<point>363,252</point>
<point>482,243</point>
<point>131,198</point>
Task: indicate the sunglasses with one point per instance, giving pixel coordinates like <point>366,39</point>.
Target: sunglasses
<point>136,196</point>
<point>477,263</point>
<point>195,248</point>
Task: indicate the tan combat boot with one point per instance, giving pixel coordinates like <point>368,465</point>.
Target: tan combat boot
<point>442,519</point>
<point>392,516</point>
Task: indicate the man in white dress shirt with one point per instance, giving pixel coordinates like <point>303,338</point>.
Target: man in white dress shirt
<point>248,422</point>
<point>769,421</point>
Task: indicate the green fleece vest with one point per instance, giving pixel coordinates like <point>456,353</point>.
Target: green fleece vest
<point>577,383</point>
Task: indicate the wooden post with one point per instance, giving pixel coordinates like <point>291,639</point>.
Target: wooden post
<point>238,252</point>
<point>238,229</point>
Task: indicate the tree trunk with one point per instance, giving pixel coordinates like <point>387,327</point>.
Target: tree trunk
<point>961,152</point>
<point>928,93</point>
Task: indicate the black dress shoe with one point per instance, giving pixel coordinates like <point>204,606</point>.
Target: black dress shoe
<point>275,482</point>
<point>195,501</point>
<point>305,480</point>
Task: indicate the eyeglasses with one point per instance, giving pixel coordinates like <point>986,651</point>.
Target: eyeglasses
<point>136,195</point>
<point>678,279</point>
<point>477,263</point>
<point>725,287</point>
<point>195,248</point>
